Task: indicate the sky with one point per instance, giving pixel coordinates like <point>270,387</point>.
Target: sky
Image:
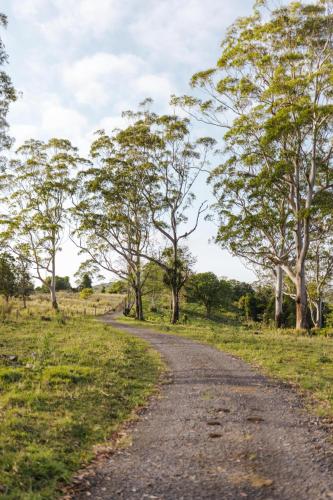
<point>79,63</point>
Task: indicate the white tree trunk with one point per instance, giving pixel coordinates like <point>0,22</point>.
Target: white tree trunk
<point>278,296</point>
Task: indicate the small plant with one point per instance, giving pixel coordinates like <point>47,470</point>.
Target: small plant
<point>86,293</point>
<point>61,318</point>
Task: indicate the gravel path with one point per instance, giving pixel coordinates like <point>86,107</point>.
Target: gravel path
<point>218,430</point>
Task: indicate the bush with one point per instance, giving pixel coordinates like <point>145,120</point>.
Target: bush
<point>86,293</point>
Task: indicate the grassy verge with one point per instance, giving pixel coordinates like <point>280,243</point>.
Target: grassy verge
<point>63,388</point>
<point>299,359</point>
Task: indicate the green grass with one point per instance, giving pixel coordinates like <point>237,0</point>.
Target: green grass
<point>70,387</point>
<point>302,360</point>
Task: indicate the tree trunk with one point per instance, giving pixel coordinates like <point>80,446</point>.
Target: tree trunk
<point>24,298</point>
<point>138,305</point>
<point>175,305</point>
<point>319,313</point>
<point>301,300</point>
<point>53,288</point>
<point>53,297</point>
<point>278,297</point>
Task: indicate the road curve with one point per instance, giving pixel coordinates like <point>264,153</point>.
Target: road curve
<point>218,430</point>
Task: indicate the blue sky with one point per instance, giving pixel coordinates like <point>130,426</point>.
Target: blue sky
<point>79,63</point>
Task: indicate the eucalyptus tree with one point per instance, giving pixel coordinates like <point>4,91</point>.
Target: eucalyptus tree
<point>319,264</point>
<point>7,92</point>
<point>255,224</point>
<point>112,218</point>
<point>40,183</point>
<point>174,168</point>
<point>272,93</point>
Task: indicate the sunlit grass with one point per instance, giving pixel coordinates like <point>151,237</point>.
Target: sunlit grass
<point>63,388</point>
<point>70,304</point>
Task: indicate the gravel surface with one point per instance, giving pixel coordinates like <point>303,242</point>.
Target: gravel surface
<point>218,430</point>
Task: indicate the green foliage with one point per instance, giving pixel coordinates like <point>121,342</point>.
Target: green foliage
<point>85,293</point>
<point>61,283</point>
<point>119,286</point>
<point>248,306</point>
<point>7,92</point>
<point>207,289</point>
<point>177,268</point>
<point>72,388</point>
<point>141,180</point>
<point>271,91</point>
<point>40,183</point>
<point>86,281</point>
<point>8,278</point>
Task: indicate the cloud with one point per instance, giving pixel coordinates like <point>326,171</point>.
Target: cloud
<point>157,86</point>
<point>110,123</point>
<point>95,79</point>
<point>185,32</point>
<point>120,81</point>
<point>42,116</point>
<point>57,19</point>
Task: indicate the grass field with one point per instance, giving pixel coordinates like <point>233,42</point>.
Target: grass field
<point>302,360</point>
<point>65,385</point>
<point>70,304</point>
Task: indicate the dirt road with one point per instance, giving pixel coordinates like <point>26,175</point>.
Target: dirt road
<point>219,430</point>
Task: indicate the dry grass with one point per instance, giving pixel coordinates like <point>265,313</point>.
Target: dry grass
<point>70,305</point>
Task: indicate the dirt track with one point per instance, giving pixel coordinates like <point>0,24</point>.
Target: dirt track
<point>219,430</point>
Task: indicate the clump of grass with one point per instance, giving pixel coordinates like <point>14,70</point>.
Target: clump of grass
<point>74,384</point>
<point>10,375</point>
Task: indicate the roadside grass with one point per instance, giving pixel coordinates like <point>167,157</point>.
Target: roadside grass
<point>305,361</point>
<point>63,389</point>
<point>70,304</point>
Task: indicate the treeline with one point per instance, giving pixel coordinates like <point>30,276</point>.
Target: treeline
<point>16,280</point>
<point>217,297</point>
<point>132,202</point>
<point>271,94</point>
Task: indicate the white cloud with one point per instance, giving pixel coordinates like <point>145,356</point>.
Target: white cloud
<point>42,116</point>
<point>62,18</point>
<point>157,86</point>
<point>95,80</point>
<point>110,123</point>
<point>120,81</point>
<point>27,8</point>
<point>185,32</point>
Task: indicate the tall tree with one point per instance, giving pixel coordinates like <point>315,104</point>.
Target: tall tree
<point>7,92</point>
<point>41,183</point>
<point>174,168</point>
<point>319,265</point>
<point>274,79</point>
<point>254,224</point>
<point>112,215</point>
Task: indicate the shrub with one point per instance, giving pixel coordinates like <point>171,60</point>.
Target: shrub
<point>86,293</point>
